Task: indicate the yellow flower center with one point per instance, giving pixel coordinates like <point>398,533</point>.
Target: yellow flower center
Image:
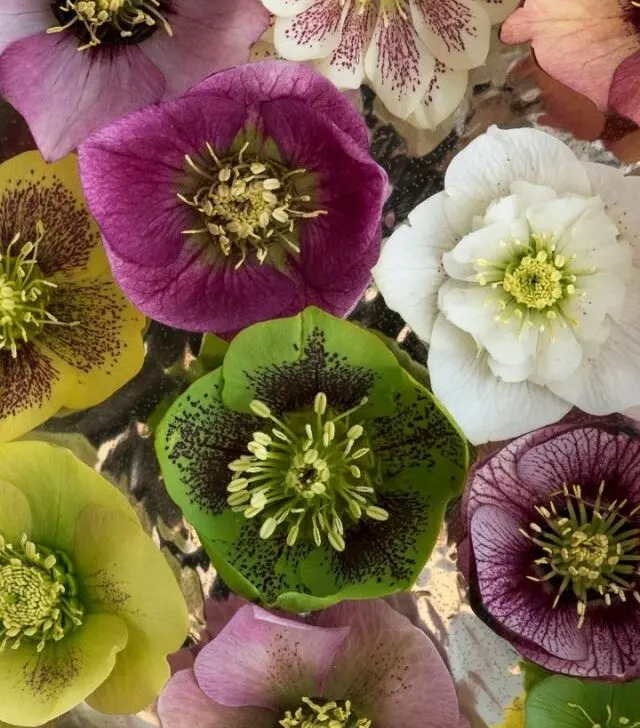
<point>535,282</point>
<point>311,714</point>
<point>247,205</point>
<point>37,595</point>
<point>311,473</point>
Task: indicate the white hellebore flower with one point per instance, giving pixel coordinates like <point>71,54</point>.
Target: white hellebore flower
<point>524,277</point>
<point>415,54</point>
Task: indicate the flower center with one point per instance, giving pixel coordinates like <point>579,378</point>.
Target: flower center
<point>38,591</point>
<point>247,205</point>
<point>619,722</point>
<point>108,22</point>
<point>24,294</point>
<point>329,715</point>
<point>591,548</point>
<point>308,474</point>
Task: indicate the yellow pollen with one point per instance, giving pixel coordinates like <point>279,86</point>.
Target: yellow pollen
<point>535,283</point>
<point>321,714</point>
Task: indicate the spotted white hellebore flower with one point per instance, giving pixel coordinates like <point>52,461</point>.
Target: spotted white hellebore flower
<point>415,54</point>
<point>523,276</point>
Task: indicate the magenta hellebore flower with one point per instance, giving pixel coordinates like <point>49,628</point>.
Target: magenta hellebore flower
<point>249,198</point>
<point>71,66</point>
<point>356,665</point>
<point>553,546</point>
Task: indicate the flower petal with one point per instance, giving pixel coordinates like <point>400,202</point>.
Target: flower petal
<point>15,513</point>
<point>446,91</point>
<point>265,661</point>
<point>624,95</point>
<point>35,688</point>
<point>65,94</point>
<point>21,18</point>
<point>206,37</point>
<point>456,32</point>
<point>287,8</point>
<point>314,33</point>
<point>183,705</point>
<point>397,63</point>
<point>498,10</point>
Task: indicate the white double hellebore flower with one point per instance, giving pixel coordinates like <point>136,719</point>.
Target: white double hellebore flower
<point>524,278</point>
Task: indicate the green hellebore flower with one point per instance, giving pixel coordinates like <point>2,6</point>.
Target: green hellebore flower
<point>89,608</point>
<point>312,465</point>
<point>565,702</point>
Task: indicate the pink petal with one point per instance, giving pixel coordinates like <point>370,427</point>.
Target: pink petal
<point>218,612</point>
<point>314,33</point>
<point>207,37</point>
<point>389,669</point>
<point>65,94</point>
<point>625,89</point>
<point>22,18</point>
<point>183,705</point>
<point>265,661</point>
<point>578,42</point>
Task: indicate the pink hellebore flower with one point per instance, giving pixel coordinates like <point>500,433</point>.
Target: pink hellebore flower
<point>72,66</point>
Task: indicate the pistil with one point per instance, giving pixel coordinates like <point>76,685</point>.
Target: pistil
<point>317,714</point>
<point>312,472</point>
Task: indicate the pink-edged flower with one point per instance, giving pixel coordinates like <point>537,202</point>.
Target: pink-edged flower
<point>415,54</point>
<point>72,66</point>
<point>357,665</point>
<point>553,546</point>
<point>247,199</point>
<point>591,46</point>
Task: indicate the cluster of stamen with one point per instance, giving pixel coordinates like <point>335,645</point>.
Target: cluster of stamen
<point>24,294</point>
<point>591,548</point>
<point>247,205</point>
<point>100,18</point>
<point>620,721</point>
<point>538,280</point>
<point>38,595</point>
<point>311,473</point>
<point>329,715</point>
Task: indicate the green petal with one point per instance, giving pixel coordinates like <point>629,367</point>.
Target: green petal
<point>121,571</point>
<point>35,688</point>
<point>15,514</point>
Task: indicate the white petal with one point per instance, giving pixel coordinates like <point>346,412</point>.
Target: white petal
<point>557,358</point>
<point>510,343</point>
<point>485,407</point>
<point>457,32</point>
<point>345,66</point>
<point>601,295</point>
<point>314,33</point>
<point>512,372</point>
<point>410,272</point>
<point>445,93</point>
<point>485,170</point>
<point>287,8</point>
<point>505,209</point>
<point>468,306</point>
<point>555,217</point>
<point>610,382</point>
<point>397,62</point>
<point>498,10</point>
<point>529,193</point>
<point>483,243</point>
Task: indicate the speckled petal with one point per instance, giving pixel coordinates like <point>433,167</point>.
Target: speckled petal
<point>314,33</point>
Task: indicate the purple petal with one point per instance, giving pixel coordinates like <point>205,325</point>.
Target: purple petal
<point>183,705</point>
<point>624,94</point>
<point>389,669</point>
<point>22,18</point>
<point>65,94</point>
<point>254,83</point>
<point>207,37</point>
<point>504,558</point>
<point>218,612</point>
<point>265,661</point>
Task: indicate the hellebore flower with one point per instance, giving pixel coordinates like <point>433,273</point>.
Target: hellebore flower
<point>72,66</point>
<point>591,46</point>
<point>68,337</point>
<point>523,275</point>
<point>312,465</point>
<point>415,54</point>
<point>553,544</point>
<point>260,198</point>
<point>357,665</point>
<point>89,608</point>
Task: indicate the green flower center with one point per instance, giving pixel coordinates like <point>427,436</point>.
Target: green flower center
<point>611,722</point>
<point>109,21</point>
<point>38,595</point>
<point>314,470</point>
<point>590,548</point>
<point>329,715</point>
<point>247,206</point>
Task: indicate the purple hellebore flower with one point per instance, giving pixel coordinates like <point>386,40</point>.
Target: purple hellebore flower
<point>553,546</point>
<point>249,198</point>
<point>356,665</point>
<point>72,66</point>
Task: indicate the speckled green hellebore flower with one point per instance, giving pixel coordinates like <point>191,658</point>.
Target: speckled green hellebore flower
<point>89,608</point>
<point>312,465</point>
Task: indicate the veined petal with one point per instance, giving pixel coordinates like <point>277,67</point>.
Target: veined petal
<point>314,33</point>
<point>397,63</point>
<point>445,93</point>
<point>15,513</point>
<point>456,32</point>
<point>22,18</point>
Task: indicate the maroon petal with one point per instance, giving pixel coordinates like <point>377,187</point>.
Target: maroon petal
<point>624,94</point>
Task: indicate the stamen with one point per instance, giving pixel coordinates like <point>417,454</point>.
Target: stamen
<point>320,714</point>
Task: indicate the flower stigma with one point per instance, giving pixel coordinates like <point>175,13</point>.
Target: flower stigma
<point>109,21</point>
<point>311,472</point>
<point>247,205</point>
<point>620,722</point>
<point>38,595</point>
<point>24,294</point>
<point>591,548</point>
<point>334,714</point>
